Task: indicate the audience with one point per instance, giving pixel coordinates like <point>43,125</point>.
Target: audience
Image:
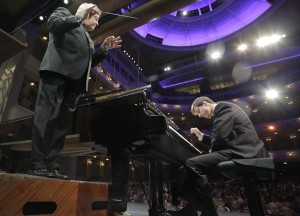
<point>278,198</point>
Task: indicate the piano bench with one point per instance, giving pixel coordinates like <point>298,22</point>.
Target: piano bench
<point>250,171</point>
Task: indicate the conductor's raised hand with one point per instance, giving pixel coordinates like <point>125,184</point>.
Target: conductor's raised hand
<point>111,42</point>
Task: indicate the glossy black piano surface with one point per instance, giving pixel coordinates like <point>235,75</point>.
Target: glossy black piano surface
<point>131,121</point>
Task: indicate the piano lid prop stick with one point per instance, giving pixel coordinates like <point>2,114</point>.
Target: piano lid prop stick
<point>131,17</point>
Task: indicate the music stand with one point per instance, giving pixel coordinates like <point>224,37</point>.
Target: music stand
<point>9,46</point>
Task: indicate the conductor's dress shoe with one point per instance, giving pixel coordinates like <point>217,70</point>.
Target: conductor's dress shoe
<point>40,172</point>
<point>56,174</point>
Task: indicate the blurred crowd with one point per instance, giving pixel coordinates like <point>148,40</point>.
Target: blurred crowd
<point>278,198</point>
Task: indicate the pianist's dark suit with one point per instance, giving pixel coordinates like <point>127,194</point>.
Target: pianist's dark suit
<point>64,73</point>
<point>233,136</point>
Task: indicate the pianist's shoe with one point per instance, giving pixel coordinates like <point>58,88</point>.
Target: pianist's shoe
<point>186,211</point>
<point>56,174</point>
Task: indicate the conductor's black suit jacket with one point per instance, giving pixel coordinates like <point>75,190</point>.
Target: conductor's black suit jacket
<point>233,130</point>
<point>70,49</point>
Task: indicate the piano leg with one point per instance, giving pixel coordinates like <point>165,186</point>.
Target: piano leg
<point>160,186</point>
<point>118,190</point>
<point>156,189</point>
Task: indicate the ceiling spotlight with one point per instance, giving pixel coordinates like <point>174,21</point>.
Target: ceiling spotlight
<point>66,1</point>
<point>272,94</point>
<point>291,154</point>
<point>265,41</point>
<point>242,47</point>
<point>167,68</point>
<point>271,127</point>
<point>216,55</point>
<point>41,18</point>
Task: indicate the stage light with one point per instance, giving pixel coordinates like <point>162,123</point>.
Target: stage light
<point>66,1</point>
<point>41,18</point>
<point>167,68</point>
<point>242,47</point>
<point>272,94</point>
<point>265,41</point>
<point>215,51</point>
<point>190,13</point>
<point>215,55</point>
<point>271,127</point>
<point>291,154</point>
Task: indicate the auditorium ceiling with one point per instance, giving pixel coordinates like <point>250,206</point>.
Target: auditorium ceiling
<point>169,44</point>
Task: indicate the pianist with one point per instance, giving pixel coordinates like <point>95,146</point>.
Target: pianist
<point>233,136</point>
<point>64,74</point>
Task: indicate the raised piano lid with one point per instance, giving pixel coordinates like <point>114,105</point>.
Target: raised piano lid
<point>120,93</point>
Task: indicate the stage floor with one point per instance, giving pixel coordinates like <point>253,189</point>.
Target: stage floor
<point>141,209</point>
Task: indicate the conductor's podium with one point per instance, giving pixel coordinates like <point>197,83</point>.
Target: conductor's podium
<point>30,195</point>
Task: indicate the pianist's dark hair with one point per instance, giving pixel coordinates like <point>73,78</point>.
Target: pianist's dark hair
<point>199,101</point>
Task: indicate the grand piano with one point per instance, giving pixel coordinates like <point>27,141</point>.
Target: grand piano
<point>131,127</point>
<point>128,120</point>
